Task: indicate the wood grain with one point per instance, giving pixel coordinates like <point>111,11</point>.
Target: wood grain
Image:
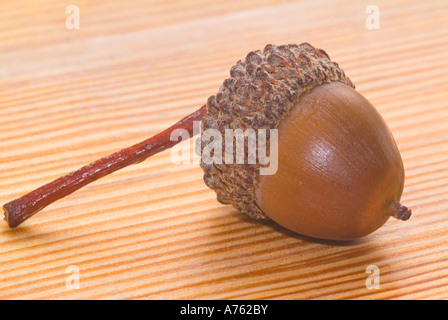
<point>154,230</point>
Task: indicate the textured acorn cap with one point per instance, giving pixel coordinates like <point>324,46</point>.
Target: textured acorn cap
<point>260,92</point>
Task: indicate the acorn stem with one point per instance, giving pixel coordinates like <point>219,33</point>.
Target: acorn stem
<point>17,211</point>
<point>400,212</point>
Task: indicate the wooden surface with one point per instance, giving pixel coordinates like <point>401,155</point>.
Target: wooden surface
<point>154,230</point>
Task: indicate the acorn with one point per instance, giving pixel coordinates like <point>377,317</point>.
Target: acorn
<point>339,173</point>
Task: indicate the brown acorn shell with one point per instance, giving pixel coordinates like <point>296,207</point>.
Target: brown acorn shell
<point>260,92</point>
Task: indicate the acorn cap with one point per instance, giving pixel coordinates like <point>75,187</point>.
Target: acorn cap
<point>261,91</point>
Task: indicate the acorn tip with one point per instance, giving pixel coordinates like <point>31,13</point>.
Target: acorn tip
<point>400,211</point>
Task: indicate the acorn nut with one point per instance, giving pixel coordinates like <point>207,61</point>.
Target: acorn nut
<point>340,175</point>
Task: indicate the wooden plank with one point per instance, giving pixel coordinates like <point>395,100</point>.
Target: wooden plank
<point>154,230</point>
